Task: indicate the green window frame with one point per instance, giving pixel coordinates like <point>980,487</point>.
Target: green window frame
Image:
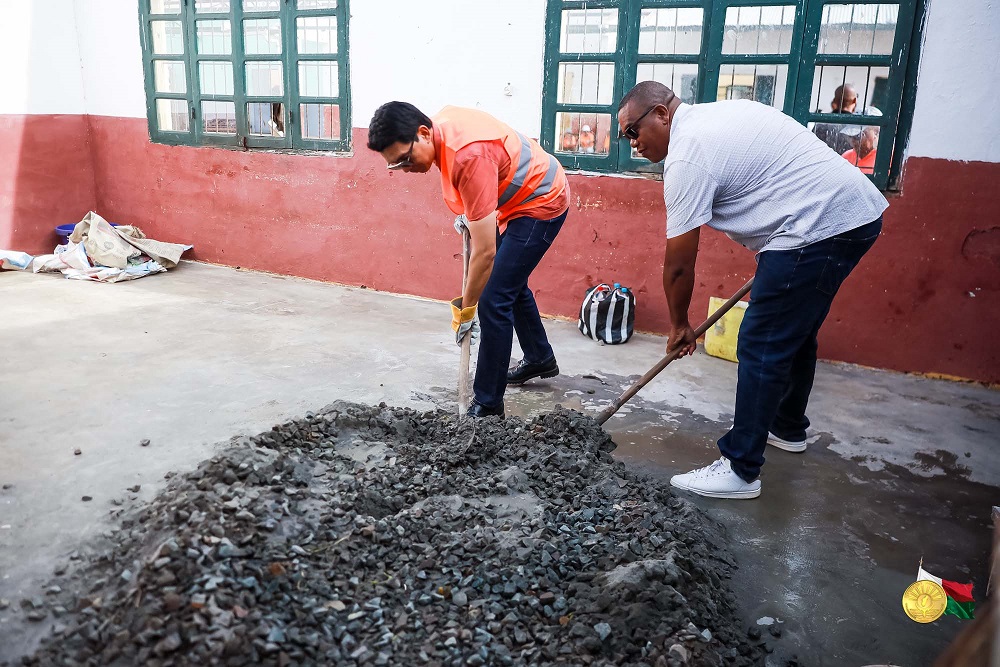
<point>704,63</point>
<point>264,74</point>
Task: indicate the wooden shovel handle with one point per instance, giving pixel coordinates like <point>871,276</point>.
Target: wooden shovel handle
<point>463,367</point>
<point>670,356</point>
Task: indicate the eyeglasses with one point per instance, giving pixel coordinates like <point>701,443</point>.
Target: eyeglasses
<point>404,161</point>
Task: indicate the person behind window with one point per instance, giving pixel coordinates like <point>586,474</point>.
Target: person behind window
<point>586,140</point>
<point>278,118</point>
<point>864,143</point>
<point>845,100</point>
<point>516,197</point>
<point>568,142</point>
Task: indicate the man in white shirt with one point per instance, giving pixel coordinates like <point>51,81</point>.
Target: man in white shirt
<point>771,185</point>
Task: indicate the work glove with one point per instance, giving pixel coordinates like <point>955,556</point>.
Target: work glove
<point>463,321</point>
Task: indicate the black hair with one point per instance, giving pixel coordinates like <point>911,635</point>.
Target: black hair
<point>395,121</point>
<point>649,92</point>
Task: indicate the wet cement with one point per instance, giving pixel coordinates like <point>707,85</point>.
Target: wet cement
<point>373,535</point>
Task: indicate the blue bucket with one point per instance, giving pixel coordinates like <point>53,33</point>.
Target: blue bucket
<point>63,231</point>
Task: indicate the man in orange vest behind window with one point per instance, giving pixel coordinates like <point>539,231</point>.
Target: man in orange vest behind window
<point>516,197</point>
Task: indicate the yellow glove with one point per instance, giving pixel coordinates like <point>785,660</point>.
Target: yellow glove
<point>463,320</point>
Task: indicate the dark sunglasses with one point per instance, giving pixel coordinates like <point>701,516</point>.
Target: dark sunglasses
<point>406,160</point>
<point>632,130</point>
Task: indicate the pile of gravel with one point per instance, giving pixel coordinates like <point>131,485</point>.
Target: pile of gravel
<point>380,536</point>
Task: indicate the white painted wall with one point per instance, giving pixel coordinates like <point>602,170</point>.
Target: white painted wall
<point>432,53</point>
<point>955,116</point>
<point>439,52</point>
<point>39,59</point>
<point>111,56</point>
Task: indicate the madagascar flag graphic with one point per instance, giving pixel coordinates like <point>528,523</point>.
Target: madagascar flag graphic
<point>960,602</point>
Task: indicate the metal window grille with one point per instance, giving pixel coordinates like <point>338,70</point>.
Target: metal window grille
<point>790,54</point>
<point>247,73</point>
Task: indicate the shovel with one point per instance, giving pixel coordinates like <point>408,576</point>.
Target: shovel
<point>670,356</point>
<point>463,365</point>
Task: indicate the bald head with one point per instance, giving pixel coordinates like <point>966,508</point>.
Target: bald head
<point>845,98</point>
<point>646,94</point>
<point>644,117</point>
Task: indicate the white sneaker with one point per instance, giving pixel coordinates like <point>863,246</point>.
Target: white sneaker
<point>716,481</point>
<point>788,445</point>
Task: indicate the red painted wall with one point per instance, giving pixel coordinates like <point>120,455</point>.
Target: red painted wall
<point>46,178</point>
<point>925,299</point>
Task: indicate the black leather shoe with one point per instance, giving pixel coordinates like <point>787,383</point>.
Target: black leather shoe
<point>476,410</point>
<point>525,371</point>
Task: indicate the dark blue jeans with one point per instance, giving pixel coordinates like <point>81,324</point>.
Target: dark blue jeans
<point>791,296</point>
<point>508,305</point>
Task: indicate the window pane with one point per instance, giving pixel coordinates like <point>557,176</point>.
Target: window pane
<point>211,6</point>
<point>168,37</point>
<point>266,119</point>
<point>262,36</point>
<point>586,83</point>
<point>320,121</point>
<point>869,86</point>
<point>319,78</point>
<point>261,5</point>
<point>857,143</point>
<point>216,77</point>
<point>168,76</point>
<point>583,133</point>
<point>172,116</point>
<point>165,7</point>
<point>682,79</point>
<point>761,83</point>
<point>759,29</point>
<point>670,31</point>
<point>219,117</point>
<point>858,29</point>
<point>317,34</point>
<point>316,4</point>
<point>214,38</point>
<point>589,31</point>
<point>264,78</point>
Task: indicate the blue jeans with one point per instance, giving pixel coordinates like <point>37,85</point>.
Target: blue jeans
<point>507,305</point>
<point>791,296</point>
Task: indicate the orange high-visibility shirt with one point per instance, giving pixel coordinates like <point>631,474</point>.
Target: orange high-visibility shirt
<point>528,182</point>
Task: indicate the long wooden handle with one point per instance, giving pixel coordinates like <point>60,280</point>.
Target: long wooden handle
<point>463,366</point>
<point>670,356</point>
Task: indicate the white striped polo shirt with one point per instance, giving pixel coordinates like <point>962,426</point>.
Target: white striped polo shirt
<point>767,182</point>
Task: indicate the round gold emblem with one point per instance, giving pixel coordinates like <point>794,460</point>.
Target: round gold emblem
<point>924,601</point>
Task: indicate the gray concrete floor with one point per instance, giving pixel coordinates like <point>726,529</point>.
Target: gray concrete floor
<point>898,468</point>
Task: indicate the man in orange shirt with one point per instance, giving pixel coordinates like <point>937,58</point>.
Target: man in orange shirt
<point>864,142</point>
<point>516,197</point>
<point>587,141</point>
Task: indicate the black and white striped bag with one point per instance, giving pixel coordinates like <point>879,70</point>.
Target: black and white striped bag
<point>608,314</point>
